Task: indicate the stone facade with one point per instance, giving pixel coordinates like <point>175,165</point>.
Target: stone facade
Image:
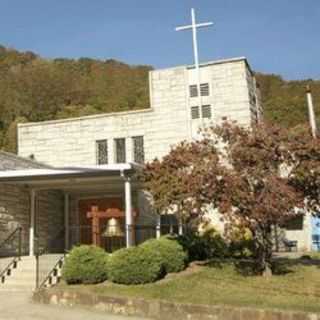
<point>230,92</point>
<point>15,205</point>
<point>73,141</point>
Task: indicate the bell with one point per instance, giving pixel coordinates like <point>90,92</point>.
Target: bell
<point>113,229</point>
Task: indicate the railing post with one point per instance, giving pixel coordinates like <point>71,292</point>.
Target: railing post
<point>20,244</point>
<point>158,227</point>
<point>37,270</point>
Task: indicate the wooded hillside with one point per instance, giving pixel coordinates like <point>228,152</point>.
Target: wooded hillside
<point>36,89</point>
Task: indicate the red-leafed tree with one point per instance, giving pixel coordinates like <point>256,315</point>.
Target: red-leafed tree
<point>260,177</point>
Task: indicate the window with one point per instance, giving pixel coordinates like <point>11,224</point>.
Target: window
<point>295,223</point>
<point>120,146</point>
<point>102,151</point>
<point>195,114</point>
<point>193,91</point>
<point>206,111</point>
<point>204,89</point>
<point>138,149</point>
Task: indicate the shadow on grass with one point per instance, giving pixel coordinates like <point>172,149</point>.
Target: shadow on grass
<point>250,267</point>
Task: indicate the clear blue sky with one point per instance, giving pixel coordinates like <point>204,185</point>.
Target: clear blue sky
<point>277,36</point>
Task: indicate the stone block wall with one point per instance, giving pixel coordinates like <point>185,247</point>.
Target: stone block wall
<point>73,141</point>
<point>15,212</point>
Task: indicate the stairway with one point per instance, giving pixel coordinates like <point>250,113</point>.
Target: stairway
<point>22,277</point>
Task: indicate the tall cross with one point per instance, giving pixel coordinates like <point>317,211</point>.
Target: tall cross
<point>194,27</point>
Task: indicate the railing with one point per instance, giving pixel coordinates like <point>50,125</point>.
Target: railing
<point>11,248</point>
<point>84,235</point>
<point>48,257</point>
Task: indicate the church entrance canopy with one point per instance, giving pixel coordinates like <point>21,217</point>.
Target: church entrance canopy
<point>86,180</point>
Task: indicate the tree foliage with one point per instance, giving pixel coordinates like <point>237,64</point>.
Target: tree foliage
<point>37,89</point>
<point>257,178</point>
<point>284,102</point>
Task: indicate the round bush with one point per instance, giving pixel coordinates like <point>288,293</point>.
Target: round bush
<point>85,264</point>
<point>173,257</point>
<point>135,265</point>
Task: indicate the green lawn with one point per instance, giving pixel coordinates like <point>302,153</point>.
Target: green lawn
<point>299,289</point>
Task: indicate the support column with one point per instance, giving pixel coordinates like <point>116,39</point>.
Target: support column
<point>180,227</point>
<point>128,211</point>
<point>66,222</point>
<point>158,227</point>
<point>32,221</point>
<point>312,117</point>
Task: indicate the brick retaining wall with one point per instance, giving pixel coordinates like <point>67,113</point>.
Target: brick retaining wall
<point>156,309</point>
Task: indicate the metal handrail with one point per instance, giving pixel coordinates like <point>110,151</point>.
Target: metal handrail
<point>42,252</point>
<point>11,235</point>
<point>5,270</point>
<point>15,259</point>
<point>39,287</point>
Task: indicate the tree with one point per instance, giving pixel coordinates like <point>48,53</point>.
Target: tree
<point>11,140</point>
<point>258,193</point>
<point>182,183</point>
<point>304,174</point>
<point>250,175</point>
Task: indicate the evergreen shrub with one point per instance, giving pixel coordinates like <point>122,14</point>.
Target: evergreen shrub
<point>173,257</point>
<point>85,264</point>
<point>135,265</point>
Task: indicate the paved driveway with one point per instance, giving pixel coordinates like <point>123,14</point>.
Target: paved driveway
<point>18,306</point>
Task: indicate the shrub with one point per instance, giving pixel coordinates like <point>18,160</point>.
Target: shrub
<point>136,265</point>
<point>204,246</point>
<point>173,257</point>
<point>85,264</point>
<point>241,242</point>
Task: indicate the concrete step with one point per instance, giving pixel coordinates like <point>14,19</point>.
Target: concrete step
<point>23,278</point>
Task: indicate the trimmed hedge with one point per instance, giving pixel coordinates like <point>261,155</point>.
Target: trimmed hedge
<point>173,257</point>
<point>85,264</point>
<point>136,265</point>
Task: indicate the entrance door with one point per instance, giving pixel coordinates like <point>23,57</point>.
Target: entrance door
<point>108,243</point>
<point>316,233</point>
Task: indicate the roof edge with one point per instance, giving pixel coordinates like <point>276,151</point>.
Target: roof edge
<point>26,160</point>
<point>94,116</point>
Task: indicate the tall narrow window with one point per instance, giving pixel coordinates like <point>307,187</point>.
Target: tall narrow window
<point>206,111</point>
<point>195,114</point>
<point>204,89</point>
<point>193,90</point>
<point>102,151</point>
<point>120,148</point>
<point>138,149</point>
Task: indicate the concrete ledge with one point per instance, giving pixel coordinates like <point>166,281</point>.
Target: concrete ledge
<point>156,309</point>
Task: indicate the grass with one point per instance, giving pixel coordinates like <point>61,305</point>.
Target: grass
<point>298,289</point>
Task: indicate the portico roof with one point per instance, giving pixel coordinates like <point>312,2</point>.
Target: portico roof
<point>70,178</point>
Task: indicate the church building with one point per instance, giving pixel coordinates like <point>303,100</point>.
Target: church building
<point>80,182</point>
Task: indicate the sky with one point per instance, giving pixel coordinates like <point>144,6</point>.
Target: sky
<point>277,36</point>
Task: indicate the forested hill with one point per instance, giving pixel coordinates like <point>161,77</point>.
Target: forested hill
<point>35,89</point>
<point>284,102</point>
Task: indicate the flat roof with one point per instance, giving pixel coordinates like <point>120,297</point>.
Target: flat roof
<point>26,176</point>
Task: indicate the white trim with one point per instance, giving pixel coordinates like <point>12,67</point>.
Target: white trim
<point>128,212</point>
<point>67,221</point>
<point>32,222</point>
<point>67,171</point>
<point>95,116</point>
